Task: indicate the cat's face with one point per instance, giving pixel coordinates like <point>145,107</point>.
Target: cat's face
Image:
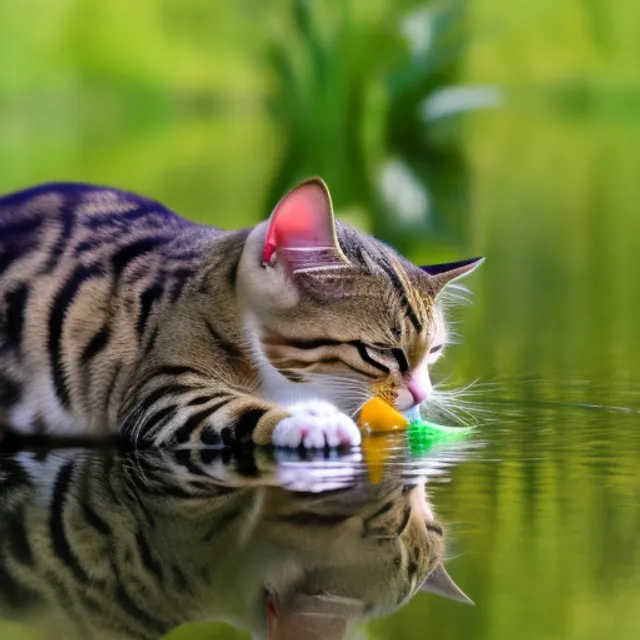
<point>365,565</point>
<point>335,310</point>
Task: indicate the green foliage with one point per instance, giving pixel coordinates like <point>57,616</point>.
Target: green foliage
<point>352,103</point>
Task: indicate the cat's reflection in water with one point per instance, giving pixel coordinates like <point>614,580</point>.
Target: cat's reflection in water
<point>131,545</point>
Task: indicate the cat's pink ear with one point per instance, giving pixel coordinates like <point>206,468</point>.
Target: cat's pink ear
<point>442,274</point>
<point>302,224</point>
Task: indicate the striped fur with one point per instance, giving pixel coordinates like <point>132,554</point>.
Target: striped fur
<point>106,545</point>
<point>118,316</point>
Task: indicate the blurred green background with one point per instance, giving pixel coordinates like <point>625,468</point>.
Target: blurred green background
<point>508,129</point>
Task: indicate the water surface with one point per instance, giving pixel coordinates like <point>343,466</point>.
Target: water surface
<point>542,504</point>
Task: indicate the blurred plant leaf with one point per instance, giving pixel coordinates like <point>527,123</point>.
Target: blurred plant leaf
<point>325,72</point>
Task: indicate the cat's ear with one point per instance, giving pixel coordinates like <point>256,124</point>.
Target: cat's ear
<point>302,228</point>
<point>440,583</point>
<point>443,274</point>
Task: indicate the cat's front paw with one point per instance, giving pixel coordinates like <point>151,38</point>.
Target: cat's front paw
<point>315,425</point>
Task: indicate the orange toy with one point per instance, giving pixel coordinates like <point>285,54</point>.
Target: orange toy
<point>379,416</point>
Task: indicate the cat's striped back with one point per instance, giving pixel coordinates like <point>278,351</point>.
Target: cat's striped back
<point>83,270</point>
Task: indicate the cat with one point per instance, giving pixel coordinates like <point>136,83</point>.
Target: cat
<point>117,316</point>
<point>102,544</point>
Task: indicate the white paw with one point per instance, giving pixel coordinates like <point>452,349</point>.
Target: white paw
<point>315,425</point>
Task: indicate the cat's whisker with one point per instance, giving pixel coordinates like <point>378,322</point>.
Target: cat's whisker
<point>310,249</point>
<point>449,405</point>
<point>455,294</point>
<point>327,267</point>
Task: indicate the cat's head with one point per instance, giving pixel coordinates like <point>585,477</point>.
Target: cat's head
<point>337,311</point>
<point>371,560</point>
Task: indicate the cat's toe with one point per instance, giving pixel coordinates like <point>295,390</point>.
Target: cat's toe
<point>287,434</point>
<point>348,432</point>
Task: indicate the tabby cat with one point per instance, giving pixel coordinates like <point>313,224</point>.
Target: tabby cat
<point>131,545</point>
<point>118,316</point>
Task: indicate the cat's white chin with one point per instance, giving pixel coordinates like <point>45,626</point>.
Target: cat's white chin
<point>316,424</point>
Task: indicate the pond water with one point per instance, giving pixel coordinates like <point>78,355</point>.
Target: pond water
<point>541,504</point>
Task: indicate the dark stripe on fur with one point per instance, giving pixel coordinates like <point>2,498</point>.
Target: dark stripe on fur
<point>198,400</point>
<point>210,437</point>
<point>164,370</point>
<point>314,343</point>
<point>180,278</point>
<point>18,539</point>
<point>151,424</point>
<point>247,423</point>
<point>13,252</point>
<point>405,520</point>
<point>232,274</point>
<point>325,342</point>
<point>364,354</point>
<point>16,303</point>
<point>173,370</point>
<point>109,218</point>
<point>59,309</point>
<point>147,298</point>
<point>96,345</point>
<point>66,215</point>
<point>20,227</point>
<point>132,609</point>
<point>306,518</point>
<point>13,477</point>
<point>360,372</point>
<point>183,457</point>
<point>171,389</point>
<point>184,432</point>
<point>115,374</point>
<point>59,540</point>
<point>127,254</point>
<point>147,558</point>
<point>403,363</point>
<point>151,342</point>
<point>95,520</point>
<point>404,300</point>
<point>381,511</point>
<point>9,392</point>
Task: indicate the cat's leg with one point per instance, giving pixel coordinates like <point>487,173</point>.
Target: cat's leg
<point>208,416</point>
<point>177,415</point>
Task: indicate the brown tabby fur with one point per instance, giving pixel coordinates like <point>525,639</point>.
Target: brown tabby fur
<point>116,315</point>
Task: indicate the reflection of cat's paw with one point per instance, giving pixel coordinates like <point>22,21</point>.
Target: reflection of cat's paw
<point>314,425</point>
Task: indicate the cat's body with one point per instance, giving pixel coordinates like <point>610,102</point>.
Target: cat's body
<point>105,545</point>
<point>118,316</point>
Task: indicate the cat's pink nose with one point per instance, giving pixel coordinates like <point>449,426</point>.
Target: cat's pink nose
<point>417,391</point>
<point>419,384</point>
